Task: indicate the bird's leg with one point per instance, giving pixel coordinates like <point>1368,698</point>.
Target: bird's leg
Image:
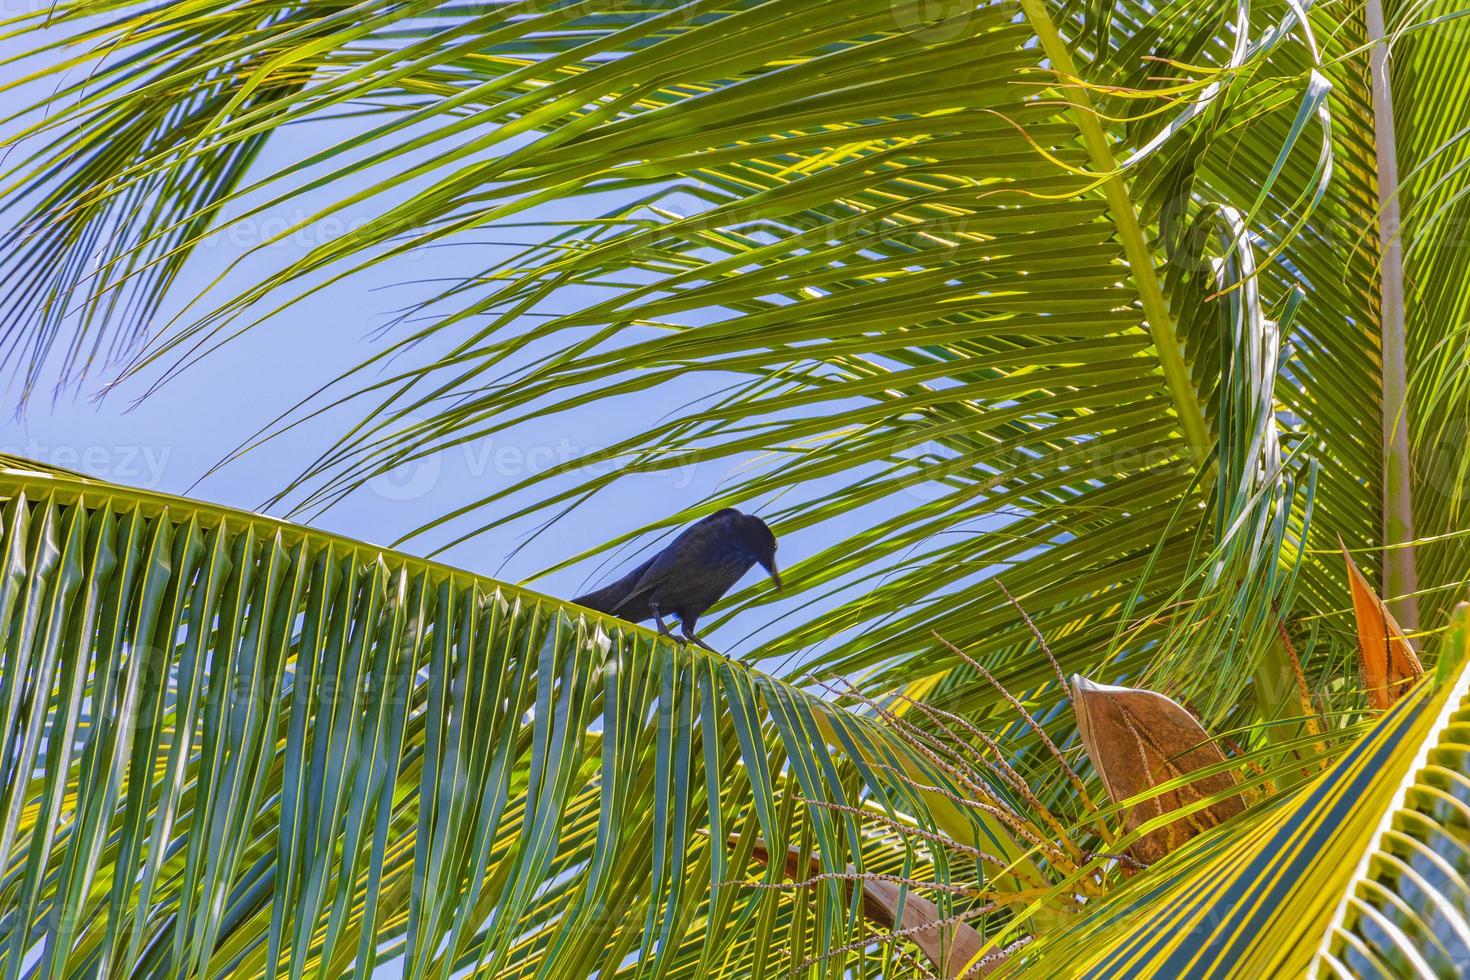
<point>663,627</point>
<point>686,626</point>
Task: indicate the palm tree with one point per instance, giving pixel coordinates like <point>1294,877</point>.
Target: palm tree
<point>1129,295</point>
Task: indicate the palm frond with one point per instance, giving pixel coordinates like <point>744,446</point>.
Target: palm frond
<point>1311,874</point>
<point>893,252</point>
<point>233,746</point>
<point>1402,912</point>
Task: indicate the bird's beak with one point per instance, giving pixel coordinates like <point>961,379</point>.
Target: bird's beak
<point>775,576</point>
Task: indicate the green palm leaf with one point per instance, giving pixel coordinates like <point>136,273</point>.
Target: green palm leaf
<point>899,252</point>
<point>236,746</point>
<point>1085,297</point>
<point>1355,874</point>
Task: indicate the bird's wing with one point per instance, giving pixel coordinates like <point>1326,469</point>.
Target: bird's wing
<point>676,558</point>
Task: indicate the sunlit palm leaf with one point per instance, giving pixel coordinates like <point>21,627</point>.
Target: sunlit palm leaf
<point>873,235</point>
<point>1403,913</point>
<point>1318,872</point>
<point>232,745</point>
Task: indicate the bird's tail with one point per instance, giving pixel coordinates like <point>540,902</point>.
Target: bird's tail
<point>605,600</point>
<point>612,599</point>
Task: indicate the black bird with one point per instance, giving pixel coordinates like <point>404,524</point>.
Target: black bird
<point>691,574</point>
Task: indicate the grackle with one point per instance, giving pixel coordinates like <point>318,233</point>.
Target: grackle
<point>691,574</point>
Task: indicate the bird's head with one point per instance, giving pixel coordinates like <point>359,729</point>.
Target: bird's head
<point>761,542</point>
